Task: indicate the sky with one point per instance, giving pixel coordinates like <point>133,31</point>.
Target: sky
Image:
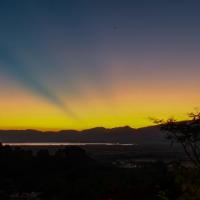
<point>84,63</point>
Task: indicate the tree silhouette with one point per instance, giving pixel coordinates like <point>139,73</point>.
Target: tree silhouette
<point>186,133</point>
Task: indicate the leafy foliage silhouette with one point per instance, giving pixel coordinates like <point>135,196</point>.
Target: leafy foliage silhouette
<point>186,133</point>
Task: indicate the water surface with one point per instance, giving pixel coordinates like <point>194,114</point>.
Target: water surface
<point>62,144</point>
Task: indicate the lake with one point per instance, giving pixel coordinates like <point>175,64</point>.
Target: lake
<point>62,144</point>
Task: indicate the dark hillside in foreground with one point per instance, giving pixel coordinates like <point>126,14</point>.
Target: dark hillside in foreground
<point>128,135</point>
<point>71,174</point>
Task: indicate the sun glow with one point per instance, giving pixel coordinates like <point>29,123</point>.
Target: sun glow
<point>123,106</point>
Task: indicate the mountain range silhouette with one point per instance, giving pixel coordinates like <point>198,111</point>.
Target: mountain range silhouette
<point>121,135</point>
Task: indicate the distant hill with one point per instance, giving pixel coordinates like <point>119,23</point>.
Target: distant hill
<point>147,135</point>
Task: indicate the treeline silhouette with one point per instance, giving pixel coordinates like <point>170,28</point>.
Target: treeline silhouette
<point>70,173</point>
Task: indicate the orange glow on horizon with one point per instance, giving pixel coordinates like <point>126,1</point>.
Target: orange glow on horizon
<point>125,105</point>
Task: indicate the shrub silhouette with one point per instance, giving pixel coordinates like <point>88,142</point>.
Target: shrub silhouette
<point>186,133</point>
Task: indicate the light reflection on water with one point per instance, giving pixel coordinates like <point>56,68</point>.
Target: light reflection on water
<point>61,144</point>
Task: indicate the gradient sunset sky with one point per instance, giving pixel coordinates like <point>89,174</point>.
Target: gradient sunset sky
<point>84,63</point>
